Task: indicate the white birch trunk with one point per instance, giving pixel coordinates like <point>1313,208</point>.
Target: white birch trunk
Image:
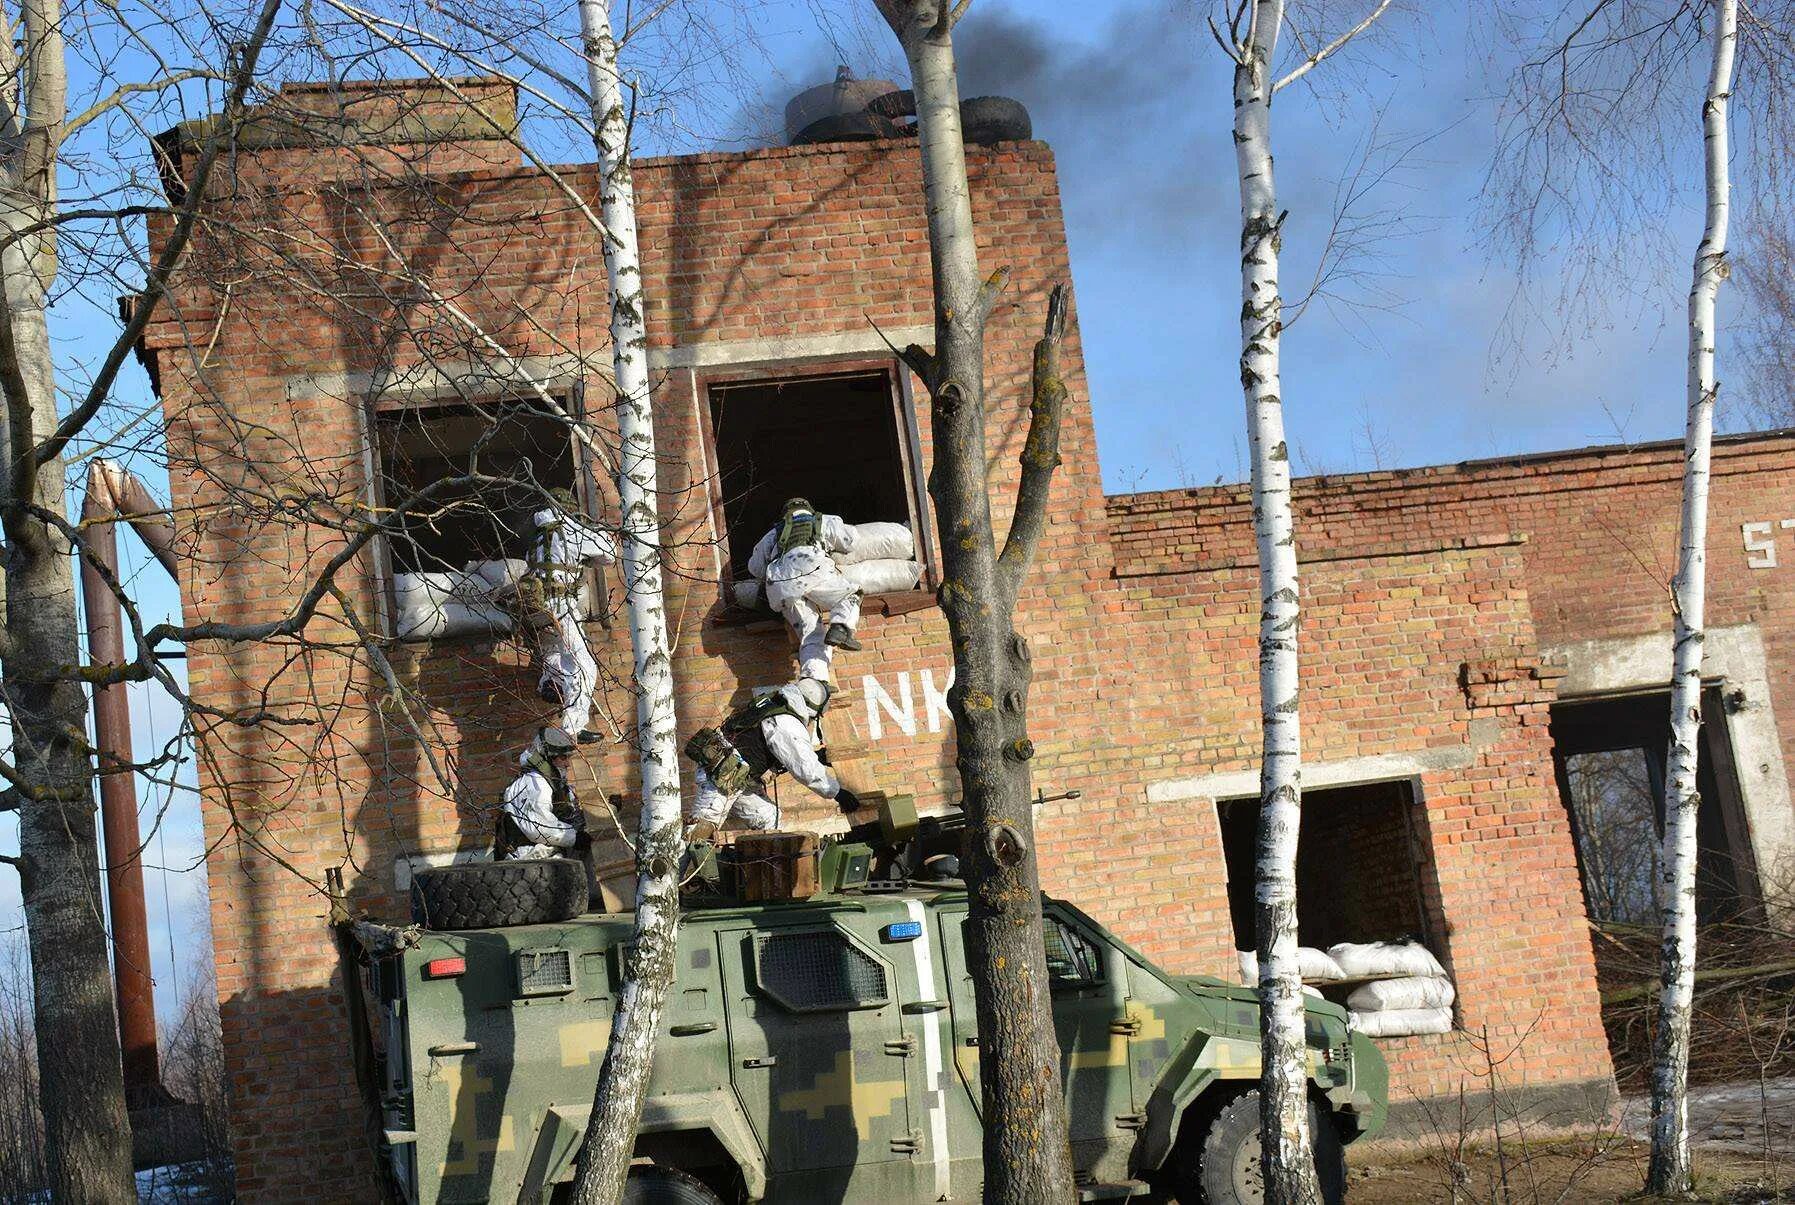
<point>1670,1171</point>
<point>649,964</point>
<point>1288,1164</point>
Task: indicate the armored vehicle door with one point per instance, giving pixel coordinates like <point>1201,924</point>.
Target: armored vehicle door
<point>817,1048</point>
<point>1094,1022</point>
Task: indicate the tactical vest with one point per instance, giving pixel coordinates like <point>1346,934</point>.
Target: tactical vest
<point>736,757</point>
<point>797,529</point>
<point>544,576</point>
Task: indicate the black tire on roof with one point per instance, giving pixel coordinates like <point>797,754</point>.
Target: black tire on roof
<point>847,127</point>
<point>494,895</point>
<point>988,119</point>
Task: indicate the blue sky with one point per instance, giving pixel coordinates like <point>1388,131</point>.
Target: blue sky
<point>1412,365</point>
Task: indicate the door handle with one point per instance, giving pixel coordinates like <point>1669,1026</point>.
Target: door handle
<point>1129,1026</point>
<point>686,1031</point>
<point>766,1061</point>
<point>925,1006</point>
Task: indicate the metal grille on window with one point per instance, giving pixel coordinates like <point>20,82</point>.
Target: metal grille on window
<point>818,970</point>
<point>544,972</point>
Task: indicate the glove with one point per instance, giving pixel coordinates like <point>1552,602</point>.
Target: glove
<point>847,801</point>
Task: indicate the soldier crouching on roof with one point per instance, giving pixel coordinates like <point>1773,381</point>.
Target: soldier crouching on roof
<point>776,733</point>
<point>540,818</point>
<point>796,562</point>
<point>564,544</point>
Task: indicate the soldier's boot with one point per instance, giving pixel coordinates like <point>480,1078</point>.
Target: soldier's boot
<point>842,637</point>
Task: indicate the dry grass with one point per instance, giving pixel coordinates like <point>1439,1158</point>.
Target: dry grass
<point>1570,1169</point>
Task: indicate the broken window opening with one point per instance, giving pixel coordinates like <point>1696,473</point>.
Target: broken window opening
<point>453,556</point>
<point>1357,861</point>
<point>838,440</point>
<point>1611,759</point>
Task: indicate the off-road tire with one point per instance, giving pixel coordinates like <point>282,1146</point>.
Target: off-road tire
<point>657,1185</point>
<point>1223,1169</point>
<point>494,895</point>
<point>988,119</point>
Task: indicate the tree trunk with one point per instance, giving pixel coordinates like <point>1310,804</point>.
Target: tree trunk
<point>1027,1157</point>
<point>1670,1171</point>
<point>1288,1164</point>
<point>81,1088</point>
<point>605,1153</point>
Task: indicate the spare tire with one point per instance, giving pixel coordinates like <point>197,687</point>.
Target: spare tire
<point>988,119</point>
<point>494,895</point>
<point>894,104</point>
<point>847,127</point>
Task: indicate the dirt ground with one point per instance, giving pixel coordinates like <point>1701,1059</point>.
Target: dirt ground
<point>1572,1169</point>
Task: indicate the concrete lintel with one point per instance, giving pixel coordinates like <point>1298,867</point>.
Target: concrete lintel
<point>1378,767</point>
<point>1734,654</point>
<point>465,378</point>
<point>864,341</point>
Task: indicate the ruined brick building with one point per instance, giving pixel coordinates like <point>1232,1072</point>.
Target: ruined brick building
<point>1471,630</point>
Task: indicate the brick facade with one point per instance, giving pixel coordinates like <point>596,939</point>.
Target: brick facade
<point>1428,595</point>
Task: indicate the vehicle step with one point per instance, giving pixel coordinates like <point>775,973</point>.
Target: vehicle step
<point>1113,1192</point>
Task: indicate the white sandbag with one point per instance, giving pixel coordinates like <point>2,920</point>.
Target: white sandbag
<point>1392,995</point>
<point>1386,958</point>
<point>496,578</point>
<point>420,598</point>
<point>749,593</point>
<point>1403,1022</point>
<point>1311,963</point>
<point>879,542</point>
<point>884,576</point>
<point>474,619</point>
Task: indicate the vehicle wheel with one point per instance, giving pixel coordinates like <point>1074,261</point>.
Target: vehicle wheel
<point>1227,1171</point>
<point>847,127</point>
<point>657,1185</point>
<point>493,895</point>
<point>988,119</point>
<point>901,103</point>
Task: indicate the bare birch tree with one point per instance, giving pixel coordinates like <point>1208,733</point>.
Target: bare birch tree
<point>1670,1172</point>
<point>1594,155</point>
<point>605,1153</point>
<point>1251,41</point>
<point>1027,1155</point>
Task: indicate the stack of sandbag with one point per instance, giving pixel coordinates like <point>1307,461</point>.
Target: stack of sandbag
<point>1411,995</point>
<point>460,603</point>
<point>1312,964</point>
<point>882,560</point>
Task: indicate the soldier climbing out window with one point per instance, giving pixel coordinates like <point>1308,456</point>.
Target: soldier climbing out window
<point>779,732</point>
<point>795,561</point>
<point>564,544</point>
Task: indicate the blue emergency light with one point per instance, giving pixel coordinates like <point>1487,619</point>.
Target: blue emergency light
<point>903,930</point>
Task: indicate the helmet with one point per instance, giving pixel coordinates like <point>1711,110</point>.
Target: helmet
<point>815,693</point>
<point>561,498</point>
<point>555,741</point>
<point>792,504</point>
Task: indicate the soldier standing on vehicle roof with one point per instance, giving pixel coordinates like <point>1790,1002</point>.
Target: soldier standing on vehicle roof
<point>779,732</point>
<point>795,562</point>
<point>563,545</point>
<point>540,817</point>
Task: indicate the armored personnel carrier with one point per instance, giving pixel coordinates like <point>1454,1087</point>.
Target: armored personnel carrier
<point>819,1046</point>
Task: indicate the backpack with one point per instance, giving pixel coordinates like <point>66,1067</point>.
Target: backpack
<point>797,529</point>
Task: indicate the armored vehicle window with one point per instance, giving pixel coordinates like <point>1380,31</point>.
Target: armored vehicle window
<point>820,970</point>
<point>1071,961</point>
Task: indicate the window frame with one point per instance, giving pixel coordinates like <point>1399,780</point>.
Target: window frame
<point>572,396</point>
<point>909,441</point>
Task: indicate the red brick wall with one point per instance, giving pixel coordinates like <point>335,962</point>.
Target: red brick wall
<point>1140,678</point>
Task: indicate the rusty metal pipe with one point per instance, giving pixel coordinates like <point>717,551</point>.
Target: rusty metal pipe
<point>118,796</point>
